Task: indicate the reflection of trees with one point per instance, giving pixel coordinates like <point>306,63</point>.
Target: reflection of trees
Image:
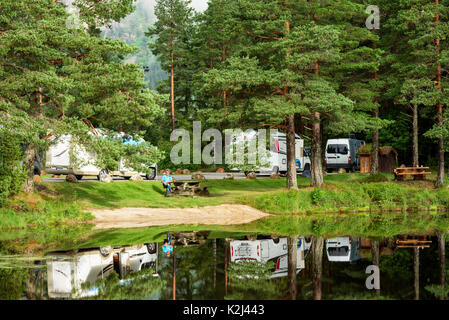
<point>12,283</point>
<point>194,272</point>
<point>441,290</point>
<point>292,263</point>
<point>251,280</point>
<point>317,266</point>
<point>135,286</point>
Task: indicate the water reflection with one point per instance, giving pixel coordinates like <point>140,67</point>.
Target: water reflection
<point>69,272</point>
<point>205,265</point>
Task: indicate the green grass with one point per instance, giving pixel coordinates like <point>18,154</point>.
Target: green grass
<point>59,203</point>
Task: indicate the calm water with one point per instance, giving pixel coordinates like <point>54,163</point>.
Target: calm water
<point>233,266</point>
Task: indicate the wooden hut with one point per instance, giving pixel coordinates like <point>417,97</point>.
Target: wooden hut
<point>388,158</point>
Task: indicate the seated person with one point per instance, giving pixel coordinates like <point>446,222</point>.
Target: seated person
<point>167,248</point>
<point>166,180</point>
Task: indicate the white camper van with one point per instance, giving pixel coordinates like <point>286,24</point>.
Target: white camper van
<point>67,272</point>
<point>343,249</point>
<point>269,250</point>
<point>58,161</point>
<point>342,153</point>
<point>277,155</point>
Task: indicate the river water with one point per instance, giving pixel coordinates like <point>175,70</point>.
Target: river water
<point>226,265</point>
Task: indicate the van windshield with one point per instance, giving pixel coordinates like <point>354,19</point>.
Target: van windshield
<point>337,148</point>
<point>338,252</point>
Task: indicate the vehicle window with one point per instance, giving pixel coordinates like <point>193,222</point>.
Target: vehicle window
<point>332,148</point>
<point>337,148</point>
<point>342,149</point>
<point>338,252</point>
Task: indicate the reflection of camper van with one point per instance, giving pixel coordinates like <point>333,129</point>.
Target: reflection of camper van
<point>68,271</point>
<point>343,249</point>
<point>58,161</point>
<point>135,258</point>
<point>276,157</point>
<point>342,153</point>
<point>265,250</point>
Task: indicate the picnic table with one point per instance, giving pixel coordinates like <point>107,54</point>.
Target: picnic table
<point>418,173</point>
<point>186,188</point>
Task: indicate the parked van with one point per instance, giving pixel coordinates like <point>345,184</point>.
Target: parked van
<point>277,155</point>
<point>342,153</point>
<point>343,249</point>
<point>265,250</point>
<point>58,161</point>
<point>68,271</point>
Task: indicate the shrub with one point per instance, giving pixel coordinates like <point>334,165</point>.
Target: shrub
<point>12,171</point>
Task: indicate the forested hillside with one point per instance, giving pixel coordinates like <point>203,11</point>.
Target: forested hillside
<point>132,30</point>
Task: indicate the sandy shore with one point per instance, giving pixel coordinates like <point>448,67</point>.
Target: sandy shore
<point>147,217</point>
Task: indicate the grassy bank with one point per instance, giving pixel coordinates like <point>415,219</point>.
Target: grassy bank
<point>59,203</point>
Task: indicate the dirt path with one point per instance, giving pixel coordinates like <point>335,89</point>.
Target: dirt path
<point>146,217</point>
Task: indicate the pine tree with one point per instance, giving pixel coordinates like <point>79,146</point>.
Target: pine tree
<point>54,76</point>
<point>172,30</point>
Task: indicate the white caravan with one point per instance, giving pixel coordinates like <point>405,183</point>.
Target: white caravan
<point>67,272</point>
<point>277,155</point>
<point>58,161</point>
<point>269,250</point>
<point>343,249</point>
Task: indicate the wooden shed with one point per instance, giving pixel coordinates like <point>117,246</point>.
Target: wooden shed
<point>388,158</point>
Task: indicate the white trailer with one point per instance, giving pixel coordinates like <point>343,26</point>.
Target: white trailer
<point>269,250</point>
<point>59,161</point>
<point>68,271</point>
<point>277,154</point>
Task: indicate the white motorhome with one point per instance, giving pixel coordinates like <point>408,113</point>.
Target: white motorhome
<point>265,250</point>
<point>58,161</point>
<point>276,157</point>
<point>68,271</point>
<point>343,249</point>
<point>342,153</point>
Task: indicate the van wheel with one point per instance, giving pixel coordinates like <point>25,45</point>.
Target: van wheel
<point>152,175</point>
<point>79,177</point>
<point>103,173</point>
<point>152,248</point>
<point>105,251</point>
<point>127,178</point>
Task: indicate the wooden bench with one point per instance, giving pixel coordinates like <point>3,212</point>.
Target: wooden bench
<point>418,173</point>
<point>186,188</point>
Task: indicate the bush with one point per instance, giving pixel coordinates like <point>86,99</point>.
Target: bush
<point>12,171</point>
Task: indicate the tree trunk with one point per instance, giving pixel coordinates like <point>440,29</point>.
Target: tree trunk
<point>317,266</point>
<point>375,151</point>
<point>416,271</point>
<point>442,253</point>
<point>292,182</point>
<point>415,136</point>
<point>174,274</point>
<point>316,165</point>
<point>440,177</point>
<point>292,264</point>
<point>30,154</point>
<point>375,253</point>
<point>214,244</point>
<point>172,87</point>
